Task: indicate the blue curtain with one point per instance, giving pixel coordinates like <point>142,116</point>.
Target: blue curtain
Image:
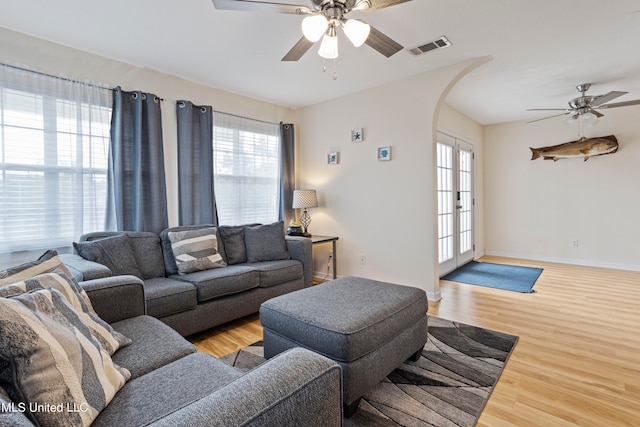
<point>287,172</point>
<point>195,164</point>
<point>137,194</point>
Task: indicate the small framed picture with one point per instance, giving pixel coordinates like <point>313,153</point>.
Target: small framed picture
<point>332,158</point>
<point>357,135</point>
<point>384,154</point>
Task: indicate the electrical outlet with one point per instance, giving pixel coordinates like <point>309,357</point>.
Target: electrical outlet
<point>574,243</point>
<point>363,260</point>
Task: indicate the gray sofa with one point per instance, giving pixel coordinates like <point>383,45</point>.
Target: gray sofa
<point>196,301</point>
<point>173,385</point>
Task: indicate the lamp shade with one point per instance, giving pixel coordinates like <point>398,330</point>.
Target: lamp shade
<point>303,199</point>
<point>357,31</point>
<point>329,46</point>
<point>314,26</point>
<point>589,118</point>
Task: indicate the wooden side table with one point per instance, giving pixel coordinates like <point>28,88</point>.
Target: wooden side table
<point>318,240</point>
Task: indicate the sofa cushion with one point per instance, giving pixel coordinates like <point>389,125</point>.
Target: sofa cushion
<point>266,242</point>
<point>148,252</point>
<point>275,272</point>
<point>114,252</point>
<point>146,247</point>
<point>58,280</point>
<point>222,281</point>
<point>196,250</point>
<point>165,296</point>
<point>154,345</point>
<point>167,389</point>
<point>232,237</point>
<point>51,357</point>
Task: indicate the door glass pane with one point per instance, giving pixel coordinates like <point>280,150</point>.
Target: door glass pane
<point>466,201</point>
<point>445,202</point>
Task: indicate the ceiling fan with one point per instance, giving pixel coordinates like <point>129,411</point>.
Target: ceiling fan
<point>321,22</point>
<point>585,106</point>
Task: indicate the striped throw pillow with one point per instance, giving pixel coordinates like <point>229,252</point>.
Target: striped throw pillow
<point>196,250</point>
<point>55,367</point>
<point>47,262</point>
<point>109,338</point>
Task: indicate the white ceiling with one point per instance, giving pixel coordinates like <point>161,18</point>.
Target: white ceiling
<point>541,48</point>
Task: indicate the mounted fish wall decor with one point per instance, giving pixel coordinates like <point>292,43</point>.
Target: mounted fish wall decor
<point>583,147</point>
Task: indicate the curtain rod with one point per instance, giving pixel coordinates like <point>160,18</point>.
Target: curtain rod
<point>243,117</point>
<point>40,73</point>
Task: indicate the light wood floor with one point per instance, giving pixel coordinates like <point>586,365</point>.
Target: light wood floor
<point>577,362</point>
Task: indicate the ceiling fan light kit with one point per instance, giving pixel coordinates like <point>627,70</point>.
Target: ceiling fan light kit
<point>323,18</point>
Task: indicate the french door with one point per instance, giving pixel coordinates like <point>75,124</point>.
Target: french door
<point>454,165</point>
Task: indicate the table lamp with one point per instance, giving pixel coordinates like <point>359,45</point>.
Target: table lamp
<point>304,199</point>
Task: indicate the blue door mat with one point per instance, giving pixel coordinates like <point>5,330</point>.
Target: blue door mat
<point>500,276</point>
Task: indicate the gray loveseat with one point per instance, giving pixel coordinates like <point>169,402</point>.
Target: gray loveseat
<point>173,385</point>
<point>260,264</point>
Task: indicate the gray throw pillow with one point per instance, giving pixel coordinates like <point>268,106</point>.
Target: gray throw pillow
<point>114,252</point>
<point>51,358</point>
<point>196,250</point>
<point>266,242</point>
<point>232,237</point>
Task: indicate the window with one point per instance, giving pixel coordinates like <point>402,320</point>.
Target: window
<point>246,168</point>
<point>54,141</point>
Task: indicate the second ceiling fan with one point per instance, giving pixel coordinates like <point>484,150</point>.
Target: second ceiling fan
<point>585,106</point>
<point>324,17</point>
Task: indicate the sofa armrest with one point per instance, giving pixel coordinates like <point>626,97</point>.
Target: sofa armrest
<point>300,249</point>
<point>116,298</point>
<point>83,269</point>
<point>297,387</point>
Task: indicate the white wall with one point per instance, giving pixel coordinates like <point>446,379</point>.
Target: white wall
<point>43,56</point>
<point>382,210</point>
<point>534,209</point>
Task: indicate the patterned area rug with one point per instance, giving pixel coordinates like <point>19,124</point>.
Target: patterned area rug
<point>448,386</point>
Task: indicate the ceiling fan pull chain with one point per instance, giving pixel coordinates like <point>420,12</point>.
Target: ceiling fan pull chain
<point>324,65</point>
<point>335,72</point>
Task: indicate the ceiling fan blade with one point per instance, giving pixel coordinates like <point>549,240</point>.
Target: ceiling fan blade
<point>621,104</point>
<point>261,6</point>
<point>607,97</point>
<point>383,43</point>
<point>597,114</point>
<point>298,50</point>
<point>549,117</point>
<point>371,5</point>
<point>547,109</point>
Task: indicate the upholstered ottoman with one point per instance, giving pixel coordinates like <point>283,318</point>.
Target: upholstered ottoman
<point>368,327</point>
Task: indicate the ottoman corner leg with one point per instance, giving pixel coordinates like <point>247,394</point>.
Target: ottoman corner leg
<point>350,410</point>
<point>415,356</point>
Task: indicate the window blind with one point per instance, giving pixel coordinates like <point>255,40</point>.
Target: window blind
<point>246,155</point>
<point>54,141</point>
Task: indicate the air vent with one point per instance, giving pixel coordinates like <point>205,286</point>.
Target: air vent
<point>440,43</point>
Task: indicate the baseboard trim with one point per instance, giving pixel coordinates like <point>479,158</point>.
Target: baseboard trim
<point>434,296</point>
<point>587,263</point>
